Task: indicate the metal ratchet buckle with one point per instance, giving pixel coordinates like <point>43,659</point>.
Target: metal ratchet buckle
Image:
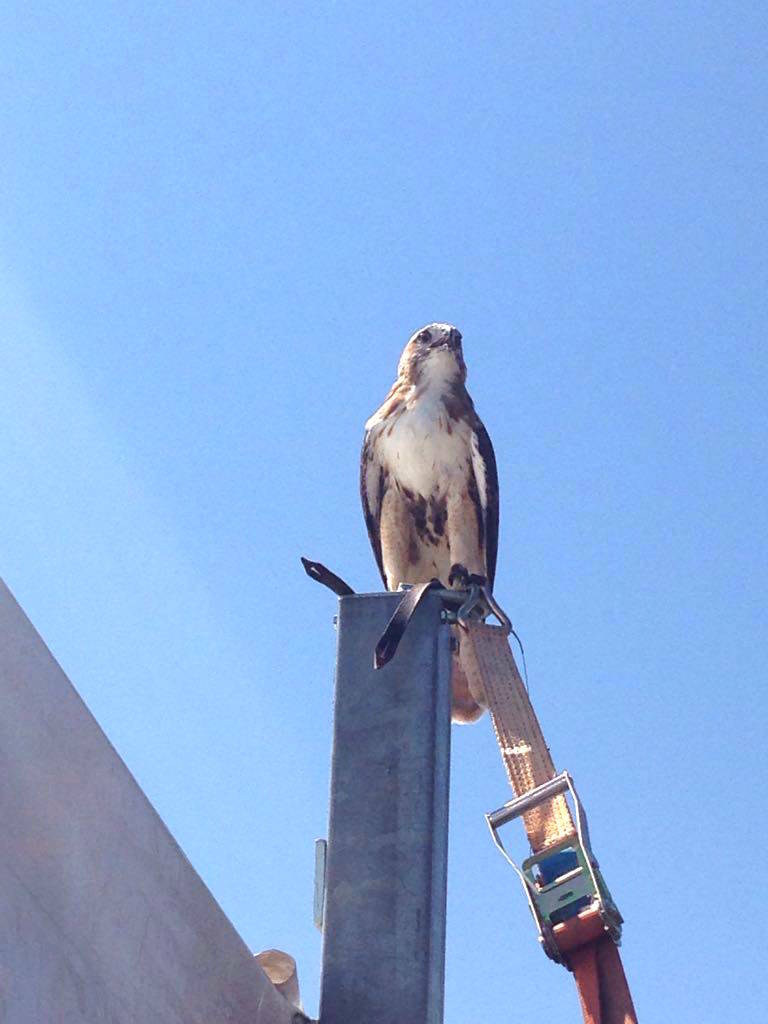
<point>559,890</point>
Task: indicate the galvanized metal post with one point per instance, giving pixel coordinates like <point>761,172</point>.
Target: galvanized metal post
<point>384,921</point>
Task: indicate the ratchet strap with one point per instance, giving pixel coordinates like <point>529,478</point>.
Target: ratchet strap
<point>397,625</point>
<point>579,925</point>
<point>490,667</point>
<point>318,572</point>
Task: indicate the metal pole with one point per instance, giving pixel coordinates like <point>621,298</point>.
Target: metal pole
<point>384,920</point>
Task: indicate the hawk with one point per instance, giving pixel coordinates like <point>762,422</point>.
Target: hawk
<point>428,479</point>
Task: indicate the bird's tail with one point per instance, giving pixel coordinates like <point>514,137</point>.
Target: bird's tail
<point>466,706</point>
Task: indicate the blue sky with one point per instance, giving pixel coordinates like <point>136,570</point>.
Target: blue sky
<point>218,227</point>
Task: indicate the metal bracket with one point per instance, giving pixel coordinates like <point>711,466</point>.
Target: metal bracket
<point>578,883</point>
<point>321,858</point>
<point>458,607</point>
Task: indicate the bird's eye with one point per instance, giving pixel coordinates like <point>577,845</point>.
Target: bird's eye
<point>423,336</point>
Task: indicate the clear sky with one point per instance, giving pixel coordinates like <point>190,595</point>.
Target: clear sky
<point>218,226</point>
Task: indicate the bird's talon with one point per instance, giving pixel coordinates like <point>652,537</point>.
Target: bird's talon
<point>458,577</point>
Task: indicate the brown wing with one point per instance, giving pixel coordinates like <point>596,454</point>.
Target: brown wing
<point>487,480</point>
<point>373,484</point>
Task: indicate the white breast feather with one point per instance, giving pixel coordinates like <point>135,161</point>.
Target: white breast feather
<point>419,451</point>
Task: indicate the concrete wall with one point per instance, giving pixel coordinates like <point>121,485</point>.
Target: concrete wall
<point>102,918</point>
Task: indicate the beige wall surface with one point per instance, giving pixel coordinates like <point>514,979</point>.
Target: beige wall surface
<point>102,918</point>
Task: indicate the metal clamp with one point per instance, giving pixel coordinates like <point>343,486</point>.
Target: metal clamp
<point>475,603</point>
<point>577,881</point>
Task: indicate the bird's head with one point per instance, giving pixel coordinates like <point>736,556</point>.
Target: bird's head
<point>434,351</point>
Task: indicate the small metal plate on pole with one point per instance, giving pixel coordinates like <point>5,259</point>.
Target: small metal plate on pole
<point>384,912</point>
